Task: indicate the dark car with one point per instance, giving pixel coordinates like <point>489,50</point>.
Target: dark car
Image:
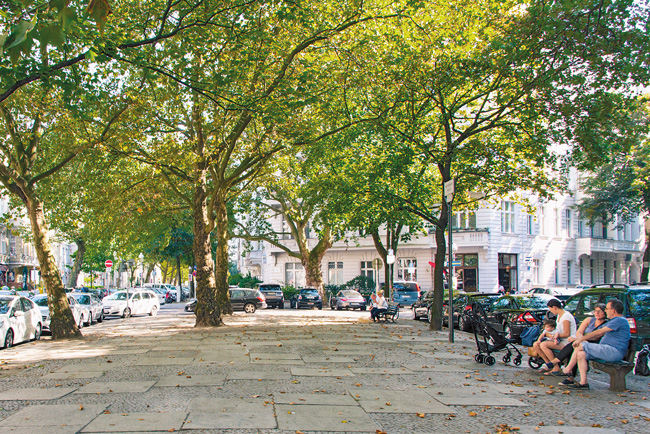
<point>306,297</point>
<point>463,303</point>
<point>422,306</point>
<point>246,299</point>
<point>273,294</point>
<point>511,314</point>
<point>348,299</point>
<point>405,293</point>
<point>636,302</point>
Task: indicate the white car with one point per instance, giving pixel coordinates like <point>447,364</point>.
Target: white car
<point>79,314</point>
<point>20,320</point>
<point>143,301</point>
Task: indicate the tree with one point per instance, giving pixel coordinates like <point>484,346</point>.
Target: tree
<point>39,137</point>
<point>620,185</point>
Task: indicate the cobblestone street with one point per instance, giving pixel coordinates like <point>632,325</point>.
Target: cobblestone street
<point>287,371</point>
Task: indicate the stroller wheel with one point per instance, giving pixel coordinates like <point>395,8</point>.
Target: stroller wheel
<point>506,358</point>
<point>489,360</point>
<point>479,358</point>
<point>535,362</point>
<point>517,361</point>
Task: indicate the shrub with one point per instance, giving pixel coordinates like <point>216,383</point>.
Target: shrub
<point>242,281</point>
<point>289,291</point>
<point>364,284</point>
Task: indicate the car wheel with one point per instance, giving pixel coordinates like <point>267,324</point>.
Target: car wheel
<point>462,323</point>
<point>81,321</point>
<point>320,307</point>
<point>9,339</point>
<point>101,317</point>
<point>415,315</point>
<point>37,332</point>
<point>90,319</point>
<point>249,308</point>
<point>281,305</point>
<point>154,311</point>
<point>126,313</point>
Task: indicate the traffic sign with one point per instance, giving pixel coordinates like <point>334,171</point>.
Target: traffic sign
<point>108,263</point>
<point>449,190</point>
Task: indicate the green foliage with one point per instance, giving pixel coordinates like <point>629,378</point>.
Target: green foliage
<point>289,291</point>
<point>242,281</point>
<point>363,284</point>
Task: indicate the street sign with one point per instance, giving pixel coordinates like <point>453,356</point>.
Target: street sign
<point>108,263</point>
<point>377,264</point>
<point>449,190</point>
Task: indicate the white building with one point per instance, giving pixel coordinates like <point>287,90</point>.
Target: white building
<point>498,244</point>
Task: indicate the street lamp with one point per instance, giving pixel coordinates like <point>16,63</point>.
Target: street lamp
<point>141,257</point>
<point>390,260</point>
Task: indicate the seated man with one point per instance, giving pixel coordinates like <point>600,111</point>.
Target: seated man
<point>611,348</point>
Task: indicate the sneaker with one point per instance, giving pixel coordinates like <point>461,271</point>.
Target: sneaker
<point>566,382</point>
<point>579,386</point>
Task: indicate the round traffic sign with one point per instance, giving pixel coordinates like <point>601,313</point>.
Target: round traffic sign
<point>108,263</point>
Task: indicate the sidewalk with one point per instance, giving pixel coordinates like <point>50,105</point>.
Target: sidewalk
<point>276,372</point>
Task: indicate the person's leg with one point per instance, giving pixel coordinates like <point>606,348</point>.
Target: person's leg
<point>572,362</point>
<point>547,348</point>
<point>583,364</point>
<point>538,350</point>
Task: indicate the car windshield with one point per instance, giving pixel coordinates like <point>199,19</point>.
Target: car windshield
<point>270,288</point>
<point>83,299</point>
<point>402,287</point>
<point>309,291</point>
<point>640,303</point>
<point>4,304</point>
<point>40,301</point>
<point>532,303</point>
<point>351,294</point>
<point>117,296</point>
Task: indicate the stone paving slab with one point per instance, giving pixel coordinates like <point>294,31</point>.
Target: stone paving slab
<point>191,380</point>
<point>258,375</point>
<point>227,413</point>
<point>388,371</point>
<point>66,429</point>
<point>274,356</point>
<point>313,372</point>
<point>564,429</point>
<point>164,361</point>
<point>324,418</point>
<point>436,368</point>
<point>117,387</point>
<point>277,362</point>
<point>73,375</point>
<point>87,367</point>
<point>35,394</point>
<point>136,422</point>
<point>53,415</point>
<point>128,352</point>
<point>645,404</point>
<point>328,359</point>
<point>314,399</point>
<point>472,396</point>
<point>440,355</point>
<point>394,401</point>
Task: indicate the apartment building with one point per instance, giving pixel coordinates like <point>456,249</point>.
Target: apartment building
<point>546,244</point>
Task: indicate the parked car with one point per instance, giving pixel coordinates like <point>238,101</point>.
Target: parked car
<point>348,299</point>
<point>306,297</point>
<point>77,310</point>
<point>559,293</point>
<point>422,306</point>
<point>20,320</point>
<point>139,302</point>
<point>273,294</point>
<point>93,304</point>
<point>405,293</point>
<point>511,314</point>
<point>246,299</point>
<point>161,290</point>
<point>465,304</point>
<point>636,302</point>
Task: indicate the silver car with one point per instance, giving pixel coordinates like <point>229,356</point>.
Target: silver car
<point>75,307</point>
<point>93,304</point>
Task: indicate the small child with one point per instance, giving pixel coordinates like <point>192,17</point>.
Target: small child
<point>549,333</point>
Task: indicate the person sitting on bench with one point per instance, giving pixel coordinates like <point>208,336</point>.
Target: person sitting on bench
<point>611,348</point>
<point>382,306</point>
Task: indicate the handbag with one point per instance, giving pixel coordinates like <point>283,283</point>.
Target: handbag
<point>641,366</point>
<point>529,336</point>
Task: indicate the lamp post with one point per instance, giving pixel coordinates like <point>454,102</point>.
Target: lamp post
<point>141,257</point>
<point>449,188</point>
<point>390,260</point>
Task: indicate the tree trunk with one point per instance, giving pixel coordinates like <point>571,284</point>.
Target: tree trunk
<point>646,257</point>
<point>208,310</point>
<point>438,275</point>
<point>180,287</point>
<point>62,322</point>
<point>392,241</point>
<point>222,257</point>
<point>312,260</point>
<point>78,262</point>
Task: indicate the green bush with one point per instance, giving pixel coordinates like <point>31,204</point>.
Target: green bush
<point>289,291</point>
<point>242,281</point>
<point>364,284</point>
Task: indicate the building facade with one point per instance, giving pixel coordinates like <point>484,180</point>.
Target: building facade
<point>545,244</point>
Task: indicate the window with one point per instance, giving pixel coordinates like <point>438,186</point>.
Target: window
<point>591,272</point>
<point>508,217</point>
<point>582,272</point>
<point>542,221</point>
<point>569,272</point>
<point>367,270</point>
<point>581,229</point>
<point>294,274</point>
<point>556,272</point>
<point>407,269</point>
<point>558,222</point>
<point>605,272</point>
<point>567,223</point>
<point>335,273</point>
<point>615,272</point>
<point>536,272</point>
<point>464,220</point>
<point>529,224</point>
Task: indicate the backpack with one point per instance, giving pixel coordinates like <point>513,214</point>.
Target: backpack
<point>529,336</point>
<point>641,366</point>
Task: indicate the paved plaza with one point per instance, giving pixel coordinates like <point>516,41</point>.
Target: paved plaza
<point>293,372</point>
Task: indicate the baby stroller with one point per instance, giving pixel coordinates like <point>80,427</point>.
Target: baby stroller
<point>488,340</point>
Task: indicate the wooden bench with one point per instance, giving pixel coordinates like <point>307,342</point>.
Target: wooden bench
<point>392,313</point>
<point>617,370</point>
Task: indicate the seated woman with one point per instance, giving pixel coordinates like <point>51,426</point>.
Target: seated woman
<point>382,306</point>
<point>566,328</point>
<point>588,325</point>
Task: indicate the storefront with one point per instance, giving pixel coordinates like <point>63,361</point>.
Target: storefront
<point>467,272</point>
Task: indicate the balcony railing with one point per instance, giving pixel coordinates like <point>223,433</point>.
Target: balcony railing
<point>588,245</point>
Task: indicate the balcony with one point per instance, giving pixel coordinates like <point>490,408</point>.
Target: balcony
<point>254,258</point>
<point>587,246</point>
<point>471,238</point>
